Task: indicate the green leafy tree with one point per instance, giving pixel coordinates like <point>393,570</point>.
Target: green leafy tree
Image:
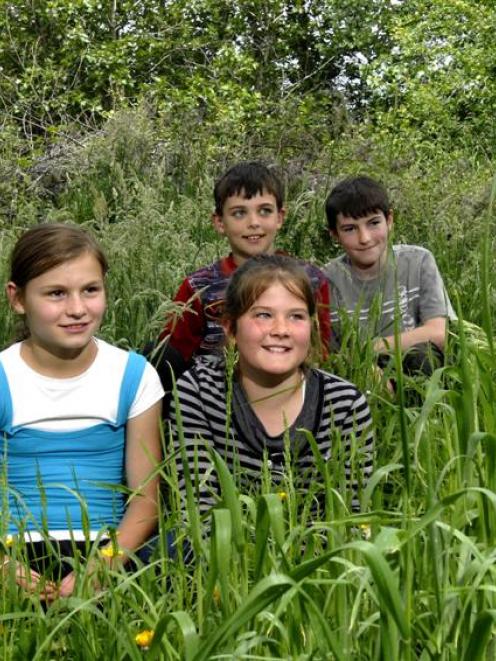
<point>83,58</point>
<point>440,73</point>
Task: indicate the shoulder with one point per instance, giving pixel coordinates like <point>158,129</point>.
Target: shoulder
<point>337,266</point>
<point>207,372</point>
<point>409,253</point>
<point>129,374</point>
<point>343,403</point>
<point>336,384</point>
<point>339,393</point>
<point>214,272</point>
<point>340,276</point>
<point>110,354</point>
<point>10,356</point>
<point>315,274</point>
<point>113,364</point>
<point>312,270</point>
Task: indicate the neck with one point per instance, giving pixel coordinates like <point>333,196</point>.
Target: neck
<point>58,365</point>
<point>372,271</point>
<point>276,405</point>
<point>272,390</point>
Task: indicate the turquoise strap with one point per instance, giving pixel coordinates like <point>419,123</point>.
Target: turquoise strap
<point>5,402</point>
<point>132,378</point>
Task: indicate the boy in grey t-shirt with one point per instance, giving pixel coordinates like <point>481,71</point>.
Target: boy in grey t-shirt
<point>374,284</point>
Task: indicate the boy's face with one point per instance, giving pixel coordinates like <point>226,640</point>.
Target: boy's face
<point>364,239</point>
<point>250,225</point>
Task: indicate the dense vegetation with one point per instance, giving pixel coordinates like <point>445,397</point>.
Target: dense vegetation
<point>119,115</point>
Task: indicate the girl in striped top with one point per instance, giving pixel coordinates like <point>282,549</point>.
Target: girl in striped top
<point>258,415</point>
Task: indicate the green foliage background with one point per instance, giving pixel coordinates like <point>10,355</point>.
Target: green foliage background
<point>119,115</point>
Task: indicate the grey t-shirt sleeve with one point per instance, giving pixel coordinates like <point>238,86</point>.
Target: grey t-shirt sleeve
<point>434,300</point>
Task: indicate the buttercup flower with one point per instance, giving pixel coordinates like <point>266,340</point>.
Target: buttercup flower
<point>282,495</point>
<point>111,551</point>
<point>144,638</point>
<point>9,540</point>
<point>366,530</point>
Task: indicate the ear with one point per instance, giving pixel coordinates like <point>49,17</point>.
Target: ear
<point>334,234</point>
<point>228,330</point>
<point>281,217</point>
<point>14,296</point>
<point>389,219</point>
<point>218,223</point>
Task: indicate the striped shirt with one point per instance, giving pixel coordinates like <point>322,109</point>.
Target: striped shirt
<point>341,429</point>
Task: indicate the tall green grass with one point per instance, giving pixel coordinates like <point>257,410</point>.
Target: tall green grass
<point>410,577</point>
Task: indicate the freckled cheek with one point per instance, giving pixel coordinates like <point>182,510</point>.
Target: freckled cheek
<point>305,338</point>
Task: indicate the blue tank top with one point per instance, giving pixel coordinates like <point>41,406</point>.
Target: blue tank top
<point>65,480</point>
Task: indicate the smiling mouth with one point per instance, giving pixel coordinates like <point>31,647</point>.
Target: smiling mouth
<point>254,237</point>
<point>76,327</point>
<point>277,349</point>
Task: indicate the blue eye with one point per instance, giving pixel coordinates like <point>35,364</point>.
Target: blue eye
<point>266,211</point>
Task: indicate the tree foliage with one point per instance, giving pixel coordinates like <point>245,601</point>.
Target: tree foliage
<point>439,75</point>
<point>83,58</point>
<point>284,76</point>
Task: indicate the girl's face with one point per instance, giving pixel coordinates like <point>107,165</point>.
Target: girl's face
<point>64,306</point>
<point>273,336</point>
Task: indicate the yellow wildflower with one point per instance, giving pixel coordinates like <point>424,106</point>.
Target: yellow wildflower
<point>366,530</point>
<point>144,638</point>
<point>282,495</point>
<point>9,540</point>
<point>111,551</point>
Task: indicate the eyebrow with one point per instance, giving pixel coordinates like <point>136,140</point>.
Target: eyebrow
<point>269,308</point>
<point>354,221</point>
<point>59,285</point>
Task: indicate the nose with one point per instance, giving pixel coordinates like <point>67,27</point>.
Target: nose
<point>253,219</point>
<point>75,306</point>
<point>363,234</point>
<point>279,326</point>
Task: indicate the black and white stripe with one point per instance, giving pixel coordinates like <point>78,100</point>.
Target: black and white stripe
<point>345,420</point>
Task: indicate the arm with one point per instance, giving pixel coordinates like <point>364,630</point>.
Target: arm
<point>192,435</point>
<point>433,330</point>
<point>143,453</point>
<point>28,579</point>
<point>434,308</point>
<point>356,440</point>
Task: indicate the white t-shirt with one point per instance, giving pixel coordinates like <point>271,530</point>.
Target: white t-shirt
<point>49,404</point>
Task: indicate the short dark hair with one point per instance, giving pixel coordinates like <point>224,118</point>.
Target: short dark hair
<point>249,178</point>
<point>356,197</point>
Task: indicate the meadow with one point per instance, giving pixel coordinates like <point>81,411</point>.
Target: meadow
<point>413,575</point>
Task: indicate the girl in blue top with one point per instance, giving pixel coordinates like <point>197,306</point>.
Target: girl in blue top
<point>79,417</point>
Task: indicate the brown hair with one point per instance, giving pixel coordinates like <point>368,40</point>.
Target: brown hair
<point>248,178</point>
<point>48,245</point>
<point>256,275</point>
<point>356,197</point>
